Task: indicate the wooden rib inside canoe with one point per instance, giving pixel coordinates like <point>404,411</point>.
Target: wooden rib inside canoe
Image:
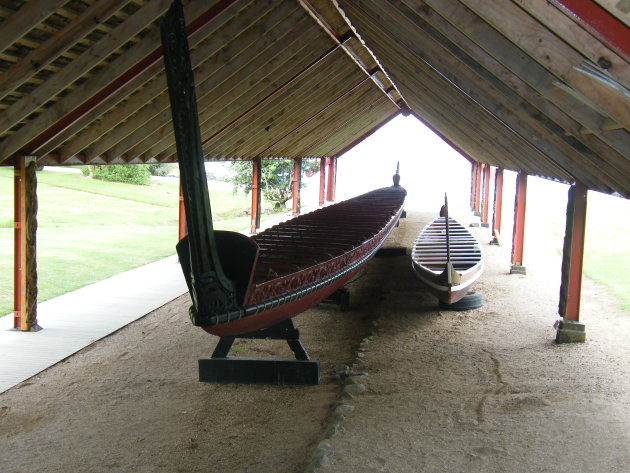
<point>433,251</point>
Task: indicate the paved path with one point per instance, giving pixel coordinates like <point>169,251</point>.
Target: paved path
<point>76,319</point>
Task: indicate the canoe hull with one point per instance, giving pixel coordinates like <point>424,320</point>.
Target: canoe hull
<point>271,301</point>
<point>429,260</point>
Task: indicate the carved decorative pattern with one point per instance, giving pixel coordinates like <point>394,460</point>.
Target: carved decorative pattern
<point>31,244</point>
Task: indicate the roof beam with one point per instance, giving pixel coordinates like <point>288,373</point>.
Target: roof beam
<point>535,104</point>
<point>366,135</point>
<point>83,63</point>
<point>441,95</point>
<point>600,23</point>
<point>101,86</point>
<point>54,46</point>
<point>225,100</point>
<point>311,10</point>
<point>436,52</point>
<point>147,110</point>
<point>556,56</point>
<point>25,19</point>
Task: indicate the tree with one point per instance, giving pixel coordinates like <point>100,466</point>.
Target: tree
<point>276,177</point>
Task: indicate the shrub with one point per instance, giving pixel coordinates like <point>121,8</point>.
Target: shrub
<point>160,169</point>
<point>128,173</point>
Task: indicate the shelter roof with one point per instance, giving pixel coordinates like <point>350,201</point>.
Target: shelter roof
<point>532,85</point>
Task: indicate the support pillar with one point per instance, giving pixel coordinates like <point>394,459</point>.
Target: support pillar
<point>518,235</point>
<point>25,245</point>
<point>569,329</point>
<point>332,179</point>
<point>486,196</point>
<point>297,185</point>
<point>473,184</point>
<point>477,206</point>
<point>181,233</point>
<point>256,178</point>
<point>322,180</point>
<point>497,207</point>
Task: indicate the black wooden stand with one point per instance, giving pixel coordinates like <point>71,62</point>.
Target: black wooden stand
<point>220,368</point>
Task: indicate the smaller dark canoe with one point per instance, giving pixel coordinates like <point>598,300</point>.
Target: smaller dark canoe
<point>448,281</point>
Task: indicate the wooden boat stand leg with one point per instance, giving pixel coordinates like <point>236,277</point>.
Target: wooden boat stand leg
<point>220,368</point>
<point>341,297</point>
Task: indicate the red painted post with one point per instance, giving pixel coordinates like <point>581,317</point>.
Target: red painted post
<point>569,329</point>
<point>182,214</point>
<point>576,224</point>
<point>19,239</point>
<point>486,196</point>
<point>498,205</point>
<point>473,184</point>
<point>332,179</point>
<point>322,180</point>
<point>296,182</point>
<point>518,235</point>
<point>256,174</point>
<point>478,189</point>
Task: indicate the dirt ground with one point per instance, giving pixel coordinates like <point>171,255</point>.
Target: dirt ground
<point>420,389</point>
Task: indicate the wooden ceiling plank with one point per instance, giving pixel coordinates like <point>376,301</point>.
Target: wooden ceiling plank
<point>25,19</point>
<point>470,78</point>
<point>339,106</point>
<point>363,135</point>
<point>553,54</point>
<point>304,95</point>
<point>221,103</point>
<point>270,96</point>
<point>506,53</point>
<point>328,114</point>
<point>479,121</point>
<point>326,26</point>
<point>82,64</point>
<point>153,100</point>
<point>608,145</point>
<point>339,131</point>
<point>353,130</point>
<point>56,45</point>
<point>579,39</point>
<point>101,86</point>
<point>232,69</point>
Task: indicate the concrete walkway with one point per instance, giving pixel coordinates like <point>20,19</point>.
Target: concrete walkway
<point>74,320</point>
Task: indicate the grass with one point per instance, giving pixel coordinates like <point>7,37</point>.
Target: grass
<point>607,253</point>
<point>90,230</point>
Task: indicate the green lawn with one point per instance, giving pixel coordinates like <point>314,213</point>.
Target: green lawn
<point>90,230</point>
<point>607,252</point>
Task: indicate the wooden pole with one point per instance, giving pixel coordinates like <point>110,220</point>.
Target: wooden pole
<point>478,189</point>
<point>332,179</point>
<point>322,180</point>
<point>256,175</point>
<point>25,245</point>
<point>569,329</point>
<point>473,184</point>
<point>486,196</point>
<point>573,253</point>
<point>498,206</point>
<point>518,235</point>
<point>297,184</point>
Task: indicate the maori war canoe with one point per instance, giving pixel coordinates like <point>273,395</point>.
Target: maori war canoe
<point>239,284</point>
